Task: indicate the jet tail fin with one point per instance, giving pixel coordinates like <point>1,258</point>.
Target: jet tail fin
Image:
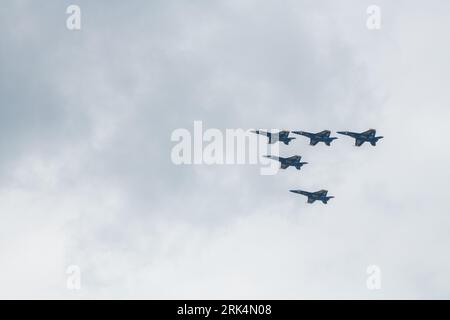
<point>286,142</point>
<point>328,142</point>
<point>375,140</point>
<point>299,165</point>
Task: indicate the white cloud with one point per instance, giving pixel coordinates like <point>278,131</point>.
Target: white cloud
<point>86,119</point>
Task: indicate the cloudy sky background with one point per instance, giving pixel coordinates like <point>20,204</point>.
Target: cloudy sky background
<point>85,171</point>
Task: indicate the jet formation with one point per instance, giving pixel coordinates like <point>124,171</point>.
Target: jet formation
<point>314,139</point>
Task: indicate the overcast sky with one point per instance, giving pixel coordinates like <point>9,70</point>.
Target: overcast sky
<point>86,177</point>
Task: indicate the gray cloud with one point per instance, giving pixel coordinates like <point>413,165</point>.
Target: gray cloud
<point>85,125</point>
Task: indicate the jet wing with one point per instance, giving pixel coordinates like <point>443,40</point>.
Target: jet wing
<point>324,133</point>
<point>271,138</point>
<point>369,133</point>
<point>284,166</point>
<point>313,142</point>
<point>359,142</point>
<point>321,192</point>
<point>311,200</point>
<point>283,134</point>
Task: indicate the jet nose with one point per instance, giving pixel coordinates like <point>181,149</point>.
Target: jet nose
<point>341,132</point>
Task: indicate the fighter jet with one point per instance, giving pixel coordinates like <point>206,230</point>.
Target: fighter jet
<point>282,136</point>
<point>313,196</point>
<point>314,138</point>
<point>287,162</point>
<point>360,138</point>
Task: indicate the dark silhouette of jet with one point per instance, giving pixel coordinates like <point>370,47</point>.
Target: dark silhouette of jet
<point>282,136</point>
<point>293,161</point>
<point>315,138</point>
<point>313,196</point>
<point>360,138</point>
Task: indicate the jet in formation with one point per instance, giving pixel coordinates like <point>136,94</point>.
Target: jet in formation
<point>360,138</point>
<point>313,196</point>
<point>282,136</point>
<point>294,161</point>
<point>315,138</point>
